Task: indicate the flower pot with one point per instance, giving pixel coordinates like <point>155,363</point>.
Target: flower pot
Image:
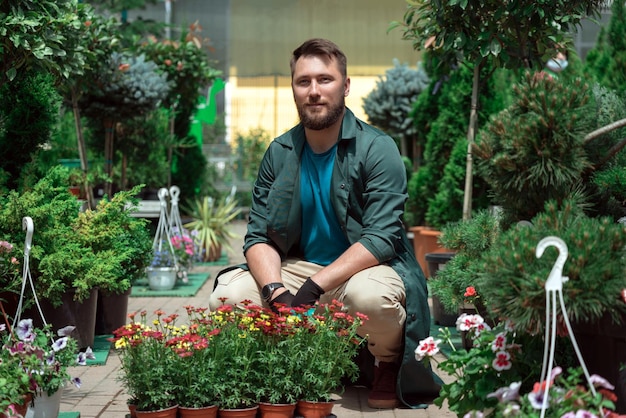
<point>603,347</point>
<point>170,412</point>
<point>44,406</point>
<point>204,412</point>
<point>161,278</point>
<point>436,262</point>
<point>425,241</point>
<point>311,409</point>
<point>273,410</point>
<point>82,315</point>
<point>238,412</point>
<point>132,408</point>
<point>111,312</point>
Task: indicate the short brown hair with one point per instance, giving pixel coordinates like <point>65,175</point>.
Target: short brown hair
<point>320,47</point>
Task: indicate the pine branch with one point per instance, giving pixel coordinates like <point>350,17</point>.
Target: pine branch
<point>605,129</point>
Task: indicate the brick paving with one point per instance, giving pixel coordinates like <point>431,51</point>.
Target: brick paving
<point>101,395</point>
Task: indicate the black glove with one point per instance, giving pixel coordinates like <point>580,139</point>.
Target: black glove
<point>284,298</point>
<point>308,294</point>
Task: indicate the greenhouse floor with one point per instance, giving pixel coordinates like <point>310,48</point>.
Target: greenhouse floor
<point>101,396</point>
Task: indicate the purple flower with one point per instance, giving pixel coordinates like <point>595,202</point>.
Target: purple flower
<point>76,381</point>
<point>65,331</point>
<point>24,330</point>
<point>59,344</point>
<point>508,393</point>
<point>600,382</point>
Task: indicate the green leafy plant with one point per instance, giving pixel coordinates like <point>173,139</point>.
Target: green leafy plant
<point>210,225</point>
<point>324,330</point>
<point>54,355</point>
<point>148,365</point>
<point>16,378</point>
<point>499,365</point>
<point>469,239</point>
<point>595,267</point>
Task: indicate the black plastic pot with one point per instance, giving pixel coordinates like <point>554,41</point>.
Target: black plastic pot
<point>436,262</point>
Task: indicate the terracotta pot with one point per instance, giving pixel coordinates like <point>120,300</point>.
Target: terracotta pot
<point>310,409</point>
<point>132,408</point>
<point>170,412</point>
<point>204,412</point>
<point>273,410</point>
<point>239,412</point>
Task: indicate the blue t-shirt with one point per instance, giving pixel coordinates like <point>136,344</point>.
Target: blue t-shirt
<point>322,239</point>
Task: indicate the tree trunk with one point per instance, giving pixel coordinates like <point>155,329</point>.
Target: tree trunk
<point>471,133</point>
<point>82,150</point>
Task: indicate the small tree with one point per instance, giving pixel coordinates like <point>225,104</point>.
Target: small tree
<point>389,106</point>
<point>515,34</point>
<point>607,60</point>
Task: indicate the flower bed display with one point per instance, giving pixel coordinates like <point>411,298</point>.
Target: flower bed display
<point>237,356</point>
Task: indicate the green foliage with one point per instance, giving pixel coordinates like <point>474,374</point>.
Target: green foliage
<point>389,105</point>
<point>41,34</point>
<point>28,112</point>
<point>190,172</point>
<point>114,235</point>
<point>129,85</point>
<point>530,152</point>
<point>474,373</point>
<point>514,34</point>
<point>72,252</point>
<point>188,69</point>
<point>144,141</point>
<point>512,278</point>
<point>470,239</point>
<point>607,60</point>
<point>433,199</point>
<point>210,225</point>
<point>251,147</point>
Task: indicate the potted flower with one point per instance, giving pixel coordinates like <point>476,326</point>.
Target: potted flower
<point>162,271</point>
<point>47,358</point>
<point>237,337</point>
<point>500,365</point>
<point>210,225</point>
<point>195,354</point>
<point>183,246</point>
<point>325,344</point>
<point>147,364</point>
<point>75,254</point>
<point>18,385</point>
<point>280,392</point>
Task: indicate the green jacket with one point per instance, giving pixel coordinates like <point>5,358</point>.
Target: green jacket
<point>368,195</point>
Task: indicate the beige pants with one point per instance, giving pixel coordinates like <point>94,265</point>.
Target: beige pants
<point>377,292</point>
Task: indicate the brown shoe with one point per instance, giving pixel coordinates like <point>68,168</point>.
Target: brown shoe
<point>383,393</point>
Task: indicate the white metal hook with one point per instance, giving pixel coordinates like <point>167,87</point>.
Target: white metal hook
<point>27,225</point>
<point>174,193</point>
<point>555,279</point>
<point>554,287</point>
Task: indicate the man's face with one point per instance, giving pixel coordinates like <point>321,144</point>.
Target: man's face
<point>319,91</point>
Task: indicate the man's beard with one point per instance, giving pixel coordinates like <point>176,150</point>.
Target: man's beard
<point>316,121</point>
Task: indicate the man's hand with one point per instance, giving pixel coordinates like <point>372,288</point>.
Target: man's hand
<point>284,298</point>
<point>308,294</point>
